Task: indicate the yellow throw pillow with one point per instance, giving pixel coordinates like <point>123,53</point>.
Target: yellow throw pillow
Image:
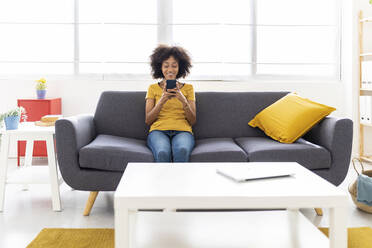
<point>290,117</point>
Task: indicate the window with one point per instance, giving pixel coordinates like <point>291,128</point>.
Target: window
<point>37,37</point>
<point>236,39</point>
<point>116,36</point>
<point>301,39</point>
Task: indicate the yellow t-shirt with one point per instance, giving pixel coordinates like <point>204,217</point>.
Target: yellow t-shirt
<point>171,116</point>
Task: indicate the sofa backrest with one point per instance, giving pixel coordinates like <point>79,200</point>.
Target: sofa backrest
<point>226,114</point>
<point>121,113</point>
<point>219,114</point>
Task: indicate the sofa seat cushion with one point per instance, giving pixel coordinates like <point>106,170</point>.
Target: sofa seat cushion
<point>309,155</point>
<point>217,150</point>
<point>112,153</point>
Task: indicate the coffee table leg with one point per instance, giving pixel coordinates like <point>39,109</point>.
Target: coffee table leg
<point>53,174</point>
<point>122,228</point>
<point>337,227</point>
<point>4,149</point>
<point>132,226</point>
<point>293,215</point>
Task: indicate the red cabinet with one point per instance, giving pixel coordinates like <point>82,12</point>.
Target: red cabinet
<point>35,109</point>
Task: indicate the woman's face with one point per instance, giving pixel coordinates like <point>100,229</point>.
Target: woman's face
<point>170,68</point>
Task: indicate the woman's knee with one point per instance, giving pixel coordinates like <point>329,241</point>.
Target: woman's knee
<point>163,156</point>
<point>182,150</point>
<point>181,154</point>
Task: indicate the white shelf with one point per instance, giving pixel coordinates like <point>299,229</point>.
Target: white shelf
<point>366,124</point>
<point>365,89</point>
<point>365,54</point>
<point>366,19</point>
<point>226,229</point>
<point>366,158</point>
<point>30,175</point>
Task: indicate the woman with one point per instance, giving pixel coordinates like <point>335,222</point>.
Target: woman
<point>170,113</point>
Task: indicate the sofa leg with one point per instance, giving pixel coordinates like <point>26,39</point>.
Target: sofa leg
<point>90,202</point>
<point>319,211</point>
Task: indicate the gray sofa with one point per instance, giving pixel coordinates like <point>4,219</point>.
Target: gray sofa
<point>93,151</point>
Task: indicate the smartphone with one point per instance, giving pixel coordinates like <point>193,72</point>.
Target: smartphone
<point>171,84</point>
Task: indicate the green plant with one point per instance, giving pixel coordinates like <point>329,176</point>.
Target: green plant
<point>41,84</point>
<point>18,111</point>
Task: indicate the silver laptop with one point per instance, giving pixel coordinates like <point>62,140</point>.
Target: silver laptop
<point>241,174</point>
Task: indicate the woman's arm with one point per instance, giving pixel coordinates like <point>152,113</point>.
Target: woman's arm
<point>189,106</point>
<point>152,109</point>
<point>190,111</point>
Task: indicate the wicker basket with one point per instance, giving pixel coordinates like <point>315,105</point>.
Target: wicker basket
<point>353,187</point>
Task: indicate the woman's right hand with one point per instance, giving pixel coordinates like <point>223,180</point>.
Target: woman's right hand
<point>166,95</point>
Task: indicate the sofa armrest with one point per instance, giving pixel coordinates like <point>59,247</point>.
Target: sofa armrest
<point>333,133</point>
<point>336,135</point>
<point>72,133</point>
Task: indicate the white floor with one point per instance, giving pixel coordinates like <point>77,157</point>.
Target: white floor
<point>27,212</point>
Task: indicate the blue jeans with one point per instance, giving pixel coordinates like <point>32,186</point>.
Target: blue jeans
<point>167,144</point>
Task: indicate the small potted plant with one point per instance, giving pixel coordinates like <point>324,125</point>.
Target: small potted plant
<point>12,117</point>
<point>41,88</point>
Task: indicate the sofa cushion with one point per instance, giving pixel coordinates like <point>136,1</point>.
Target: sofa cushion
<point>217,150</point>
<point>112,153</point>
<point>309,155</point>
<point>290,117</point>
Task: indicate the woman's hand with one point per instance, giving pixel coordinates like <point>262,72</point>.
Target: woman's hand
<point>177,93</point>
<point>166,94</point>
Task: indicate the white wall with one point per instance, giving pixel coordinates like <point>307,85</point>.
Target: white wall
<point>82,96</point>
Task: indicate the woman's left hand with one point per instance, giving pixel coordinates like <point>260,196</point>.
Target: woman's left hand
<point>179,95</point>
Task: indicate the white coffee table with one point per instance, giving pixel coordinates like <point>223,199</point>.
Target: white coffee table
<point>198,186</point>
<point>28,174</point>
